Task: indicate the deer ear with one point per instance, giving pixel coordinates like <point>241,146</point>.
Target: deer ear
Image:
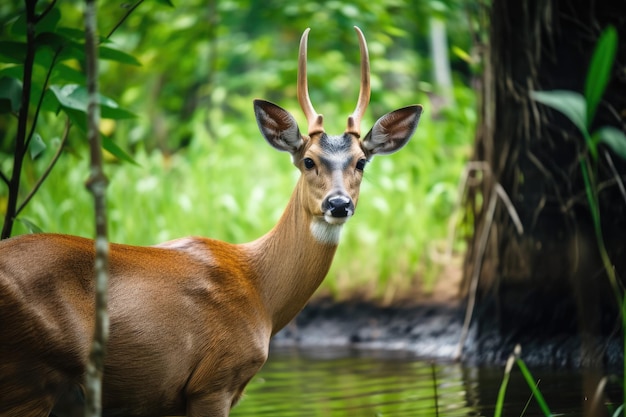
<point>278,126</point>
<point>392,131</point>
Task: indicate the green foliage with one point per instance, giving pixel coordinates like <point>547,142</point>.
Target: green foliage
<point>515,358</point>
<point>599,72</point>
<point>187,76</point>
<point>36,76</point>
<point>571,103</point>
<point>580,110</point>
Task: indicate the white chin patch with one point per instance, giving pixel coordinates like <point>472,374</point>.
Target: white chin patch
<point>335,220</point>
<point>325,232</point>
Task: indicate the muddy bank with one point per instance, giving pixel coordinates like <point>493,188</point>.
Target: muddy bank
<point>432,330</point>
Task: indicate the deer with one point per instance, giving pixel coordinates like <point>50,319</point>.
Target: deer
<point>190,319</point>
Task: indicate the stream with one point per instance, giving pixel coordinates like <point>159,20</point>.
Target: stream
<point>347,382</point>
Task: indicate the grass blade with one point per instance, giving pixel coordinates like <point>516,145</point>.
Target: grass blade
<point>600,70</point>
<point>503,386</point>
<point>533,387</point>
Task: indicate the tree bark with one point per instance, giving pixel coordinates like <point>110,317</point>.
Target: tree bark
<point>538,282</point>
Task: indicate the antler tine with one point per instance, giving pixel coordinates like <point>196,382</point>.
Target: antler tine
<point>315,120</point>
<point>354,120</point>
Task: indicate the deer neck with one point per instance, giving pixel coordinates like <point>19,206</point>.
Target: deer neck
<point>291,261</point>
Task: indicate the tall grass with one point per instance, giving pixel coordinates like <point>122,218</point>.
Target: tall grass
<point>236,187</point>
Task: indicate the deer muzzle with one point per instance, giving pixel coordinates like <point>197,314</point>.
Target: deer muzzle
<point>337,208</point>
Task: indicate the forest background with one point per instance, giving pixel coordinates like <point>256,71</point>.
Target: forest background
<point>187,157</point>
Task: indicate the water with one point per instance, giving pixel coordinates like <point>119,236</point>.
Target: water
<point>341,382</point>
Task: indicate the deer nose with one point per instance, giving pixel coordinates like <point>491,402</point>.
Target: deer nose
<point>339,206</point>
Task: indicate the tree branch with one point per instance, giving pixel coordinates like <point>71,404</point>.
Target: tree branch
<point>22,121</point>
<point>40,101</point>
<point>45,174</point>
<point>46,11</point>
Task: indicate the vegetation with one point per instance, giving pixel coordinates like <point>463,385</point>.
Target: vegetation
<point>580,110</point>
<point>514,358</point>
<point>187,76</point>
<point>562,170</point>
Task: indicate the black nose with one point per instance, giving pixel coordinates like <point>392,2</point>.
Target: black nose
<point>339,206</point>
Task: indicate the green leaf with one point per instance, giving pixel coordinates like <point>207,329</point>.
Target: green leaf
<point>43,59</point>
<point>599,72</point>
<point>112,54</point>
<point>463,55</point>
<point>10,94</point>
<point>613,138</point>
<point>36,146</point>
<point>14,71</point>
<point>66,97</point>
<point>52,40</point>
<point>67,74</point>
<point>570,103</point>
<point>32,227</point>
<point>77,117</point>
<point>530,381</point>
<point>75,97</point>
<point>49,21</point>
<point>115,113</point>
<point>56,43</point>
<point>71,33</point>
<point>119,153</point>
<point>166,2</point>
<point>18,28</point>
<point>13,52</point>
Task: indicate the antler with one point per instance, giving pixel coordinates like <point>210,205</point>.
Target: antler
<point>315,120</point>
<point>354,120</point>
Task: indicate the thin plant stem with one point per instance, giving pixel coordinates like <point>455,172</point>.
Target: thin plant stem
<point>592,198</point>
<point>33,123</point>
<point>433,372</point>
<point>4,178</point>
<point>533,387</point>
<point>503,386</point>
<point>47,10</point>
<point>96,183</point>
<point>123,19</point>
<point>48,169</point>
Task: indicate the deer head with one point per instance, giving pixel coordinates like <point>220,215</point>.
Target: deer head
<point>332,165</point>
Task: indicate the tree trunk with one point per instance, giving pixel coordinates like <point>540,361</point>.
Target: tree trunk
<point>535,284</point>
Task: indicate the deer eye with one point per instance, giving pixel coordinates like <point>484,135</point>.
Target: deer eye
<point>309,163</point>
<point>360,165</point>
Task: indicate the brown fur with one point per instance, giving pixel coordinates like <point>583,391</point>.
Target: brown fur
<point>190,319</point>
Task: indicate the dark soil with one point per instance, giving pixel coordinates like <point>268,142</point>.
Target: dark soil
<point>546,329</point>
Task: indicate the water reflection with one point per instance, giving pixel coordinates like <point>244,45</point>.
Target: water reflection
<point>338,382</point>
